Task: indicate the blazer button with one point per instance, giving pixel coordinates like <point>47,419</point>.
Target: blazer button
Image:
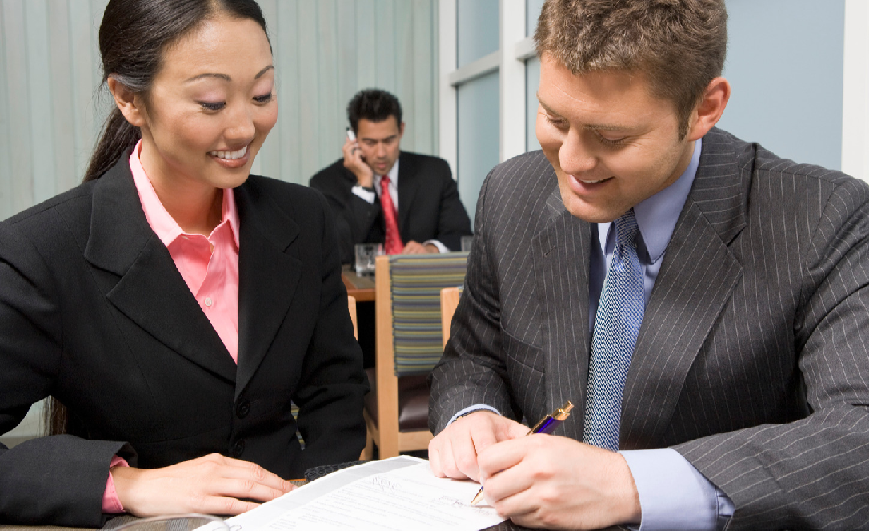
<point>238,449</point>
<point>243,409</point>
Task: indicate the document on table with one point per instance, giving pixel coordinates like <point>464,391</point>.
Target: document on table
<point>394,494</point>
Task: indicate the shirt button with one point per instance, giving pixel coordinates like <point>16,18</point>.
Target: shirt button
<point>208,301</point>
<point>242,409</point>
<point>238,448</point>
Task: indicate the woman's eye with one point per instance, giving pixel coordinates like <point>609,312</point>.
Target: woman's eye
<point>264,98</point>
<point>212,106</point>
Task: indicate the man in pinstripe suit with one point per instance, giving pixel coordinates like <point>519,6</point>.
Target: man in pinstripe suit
<point>745,400</point>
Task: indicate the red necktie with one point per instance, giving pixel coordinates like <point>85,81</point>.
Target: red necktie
<point>393,238</point>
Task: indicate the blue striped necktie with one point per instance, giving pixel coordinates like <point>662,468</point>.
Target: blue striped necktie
<point>616,325</point>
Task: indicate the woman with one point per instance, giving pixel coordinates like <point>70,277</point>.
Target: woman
<point>173,303</point>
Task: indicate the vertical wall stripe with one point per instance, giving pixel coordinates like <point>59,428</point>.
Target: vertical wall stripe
<point>366,44</point>
<point>61,105</point>
<point>289,101</point>
<point>329,136</point>
<point>38,81</point>
<point>5,125</point>
<point>81,60</point>
<point>309,88</point>
<point>422,75</point>
<point>384,26</point>
<point>19,109</point>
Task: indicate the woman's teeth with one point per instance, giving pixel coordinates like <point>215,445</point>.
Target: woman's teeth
<point>229,155</point>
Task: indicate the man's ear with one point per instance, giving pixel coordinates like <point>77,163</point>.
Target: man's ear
<point>401,130</point>
<point>709,109</point>
<point>128,102</point>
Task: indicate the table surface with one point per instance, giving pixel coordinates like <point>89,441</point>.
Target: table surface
<point>361,287</point>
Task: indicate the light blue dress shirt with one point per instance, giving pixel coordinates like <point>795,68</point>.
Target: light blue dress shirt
<point>673,494</point>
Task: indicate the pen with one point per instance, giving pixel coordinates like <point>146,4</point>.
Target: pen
<point>546,425</point>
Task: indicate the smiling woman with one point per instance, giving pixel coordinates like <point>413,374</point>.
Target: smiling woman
<point>176,304</point>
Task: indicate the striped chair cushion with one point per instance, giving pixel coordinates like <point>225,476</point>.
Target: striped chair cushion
<point>416,282</point>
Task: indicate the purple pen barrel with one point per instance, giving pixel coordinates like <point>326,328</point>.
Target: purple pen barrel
<point>548,425</point>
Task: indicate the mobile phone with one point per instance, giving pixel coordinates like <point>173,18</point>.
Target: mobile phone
<point>350,134</point>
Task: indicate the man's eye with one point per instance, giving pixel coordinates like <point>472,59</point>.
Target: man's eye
<point>558,123</point>
<point>212,106</point>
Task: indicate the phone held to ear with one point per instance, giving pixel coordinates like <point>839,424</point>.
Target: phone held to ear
<point>350,134</point>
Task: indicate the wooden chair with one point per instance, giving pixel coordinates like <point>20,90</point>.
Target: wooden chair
<point>409,344</point>
<point>351,305</point>
<point>449,301</point>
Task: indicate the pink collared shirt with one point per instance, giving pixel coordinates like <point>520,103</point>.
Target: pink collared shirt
<point>209,266</point>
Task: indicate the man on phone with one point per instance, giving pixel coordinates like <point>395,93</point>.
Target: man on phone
<point>380,194</point>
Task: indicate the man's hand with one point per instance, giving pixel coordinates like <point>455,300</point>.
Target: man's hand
<point>213,484</point>
<point>453,453</point>
<point>413,247</point>
<point>354,162</point>
<point>557,482</point>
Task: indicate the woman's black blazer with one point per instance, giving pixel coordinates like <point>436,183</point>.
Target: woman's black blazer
<point>94,312</point>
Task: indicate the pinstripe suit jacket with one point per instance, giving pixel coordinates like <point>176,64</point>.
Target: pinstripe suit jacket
<point>753,356</point>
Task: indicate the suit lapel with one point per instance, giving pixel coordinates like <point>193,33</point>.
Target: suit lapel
<point>408,185</point>
<point>695,282</point>
<point>561,252</point>
<point>268,276</point>
<point>150,291</point>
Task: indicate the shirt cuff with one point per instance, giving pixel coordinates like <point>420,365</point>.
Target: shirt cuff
<point>673,494</point>
<point>111,502</point>
<point>441,247</point>
<point>471,409</point>
<point>367,195</point>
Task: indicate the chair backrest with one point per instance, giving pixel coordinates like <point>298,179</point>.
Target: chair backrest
<point>408,307</point>
<point>351,305</point>
<point>449,301</point>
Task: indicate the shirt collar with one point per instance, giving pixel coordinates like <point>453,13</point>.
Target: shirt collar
<point>166,228</point>
<point>657,215</point>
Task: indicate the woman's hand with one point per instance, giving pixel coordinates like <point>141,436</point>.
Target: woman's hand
<point>213,484</point>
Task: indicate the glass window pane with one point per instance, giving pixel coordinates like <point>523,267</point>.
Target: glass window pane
<point>478,29</point>
<point>532,13</point>
<point>478,137</point>
<point>532,82</point>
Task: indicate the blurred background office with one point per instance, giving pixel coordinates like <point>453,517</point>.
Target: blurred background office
<point>464,70</point>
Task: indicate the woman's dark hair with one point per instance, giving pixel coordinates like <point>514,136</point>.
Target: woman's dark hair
<point>374,105</point>
<point>133,36</point>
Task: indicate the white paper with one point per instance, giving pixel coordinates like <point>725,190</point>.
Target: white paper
<point>394,494</point>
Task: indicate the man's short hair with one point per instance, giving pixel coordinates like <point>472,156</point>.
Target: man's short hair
<point>679,44</point>
<point>374,105</point>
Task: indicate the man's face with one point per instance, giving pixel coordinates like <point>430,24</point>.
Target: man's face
<point>611,142</point>
<point>379,142</point>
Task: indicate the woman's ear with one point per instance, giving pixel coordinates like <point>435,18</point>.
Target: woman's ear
<point>128,102</point>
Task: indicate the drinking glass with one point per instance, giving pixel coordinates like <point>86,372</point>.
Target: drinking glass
<point>365,255</point>
<point>466,242</point>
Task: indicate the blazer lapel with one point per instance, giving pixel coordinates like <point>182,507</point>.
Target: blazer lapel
<point>695,282</point>
<point>561,252</point>
<point>267,274</point>
<point>149,290</point>
<point>408,185</point>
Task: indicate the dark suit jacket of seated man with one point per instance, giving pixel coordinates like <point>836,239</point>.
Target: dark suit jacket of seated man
<point>429,207</point>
